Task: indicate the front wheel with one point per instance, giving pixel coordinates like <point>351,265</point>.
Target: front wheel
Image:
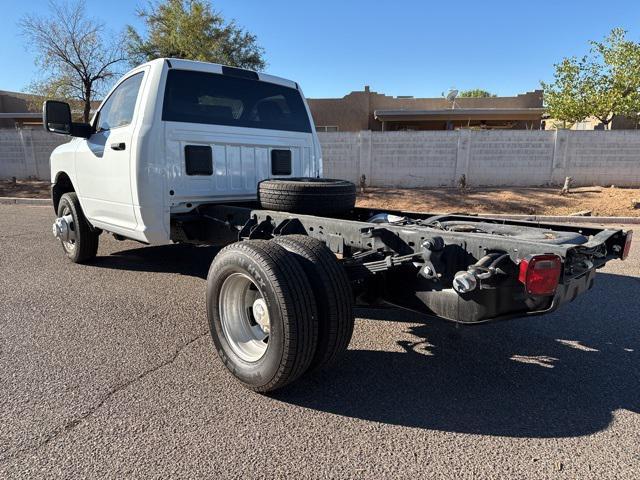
<point>78,239</point>
<point>262,314</point>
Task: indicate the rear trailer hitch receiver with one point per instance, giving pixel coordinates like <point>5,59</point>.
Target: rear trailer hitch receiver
<point>483,269</point>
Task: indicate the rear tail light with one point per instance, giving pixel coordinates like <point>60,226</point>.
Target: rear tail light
<point>627,245</point>
<point>540,274</point>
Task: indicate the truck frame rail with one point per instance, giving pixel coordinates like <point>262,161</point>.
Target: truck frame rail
<point>415,259</point>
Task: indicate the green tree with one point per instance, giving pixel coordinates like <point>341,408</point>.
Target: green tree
<point>476,93</point>
<point>604,83</point>
<point>76,56</point>
<point>193,30</point>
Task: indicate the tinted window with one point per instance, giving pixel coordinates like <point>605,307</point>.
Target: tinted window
<point>200,97</point>
<point>117,110</point>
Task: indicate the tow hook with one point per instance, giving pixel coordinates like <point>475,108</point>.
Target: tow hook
<point>432,249</point>
<point>61,227</point>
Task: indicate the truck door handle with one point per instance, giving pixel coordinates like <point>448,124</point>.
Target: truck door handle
<point>118,146</point>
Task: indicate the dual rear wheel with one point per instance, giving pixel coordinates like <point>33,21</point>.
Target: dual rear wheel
<point>278,309</point>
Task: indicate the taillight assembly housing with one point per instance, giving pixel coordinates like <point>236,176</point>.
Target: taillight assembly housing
<point>540,274</point>
<point>627,245</point>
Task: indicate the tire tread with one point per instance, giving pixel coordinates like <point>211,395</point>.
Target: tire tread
<point>332,294</point>
<point>310,196</point>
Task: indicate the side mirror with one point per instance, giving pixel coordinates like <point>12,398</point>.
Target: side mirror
<point>56,118</point>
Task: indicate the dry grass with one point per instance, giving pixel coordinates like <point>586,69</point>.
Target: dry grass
<point>530,201</point>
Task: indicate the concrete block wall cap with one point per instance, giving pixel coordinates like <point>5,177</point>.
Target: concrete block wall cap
<point>24,201</point>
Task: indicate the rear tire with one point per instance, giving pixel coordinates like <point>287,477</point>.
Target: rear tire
<point>245,280</point>
<point>313,196</point>
<point>85,244</point>
<point>333,296</point>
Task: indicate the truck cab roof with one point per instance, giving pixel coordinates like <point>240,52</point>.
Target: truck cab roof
<point>182,64</point>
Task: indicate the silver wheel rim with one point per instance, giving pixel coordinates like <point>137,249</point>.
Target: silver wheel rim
<point>244,317</point>
<point>70,244</point>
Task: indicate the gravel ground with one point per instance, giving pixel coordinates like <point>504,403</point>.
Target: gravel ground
<point>107,370</point>
<point>604,202</point>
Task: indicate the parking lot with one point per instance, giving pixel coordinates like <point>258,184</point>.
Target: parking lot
<point>108,370</point>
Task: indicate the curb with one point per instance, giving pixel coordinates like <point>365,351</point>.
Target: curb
<point>24,201</point>
<point>499,216</point>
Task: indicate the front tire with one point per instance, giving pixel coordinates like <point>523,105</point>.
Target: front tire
<point>81,242</point>
<point>262,314</point>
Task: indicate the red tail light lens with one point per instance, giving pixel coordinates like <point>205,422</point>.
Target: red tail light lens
<point>627,245</point>
<point>540,274</point>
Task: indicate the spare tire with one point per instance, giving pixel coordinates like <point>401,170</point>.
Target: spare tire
<point>315,196</point>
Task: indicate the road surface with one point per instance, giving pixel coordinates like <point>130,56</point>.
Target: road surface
<point>107,370</point>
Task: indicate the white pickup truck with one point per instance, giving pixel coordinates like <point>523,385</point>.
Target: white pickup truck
<point>184,151</point>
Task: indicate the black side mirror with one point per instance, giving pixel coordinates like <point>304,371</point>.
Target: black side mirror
<point>56,118</point>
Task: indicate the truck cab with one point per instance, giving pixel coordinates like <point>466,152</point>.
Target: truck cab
<point>174,134</point>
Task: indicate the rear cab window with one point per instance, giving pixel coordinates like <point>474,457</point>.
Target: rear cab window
<point>218,99</point>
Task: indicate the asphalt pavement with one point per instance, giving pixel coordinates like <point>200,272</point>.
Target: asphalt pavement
<point>107,370</point>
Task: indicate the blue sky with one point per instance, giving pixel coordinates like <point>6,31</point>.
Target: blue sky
<point>418,48</point>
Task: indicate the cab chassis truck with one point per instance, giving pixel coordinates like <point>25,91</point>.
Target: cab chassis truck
<point>182,151</point>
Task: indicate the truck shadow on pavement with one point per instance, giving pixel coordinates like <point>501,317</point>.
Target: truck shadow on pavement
<point>183,259</point>
<point>559,375</point>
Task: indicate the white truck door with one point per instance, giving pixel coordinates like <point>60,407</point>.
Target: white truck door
<point>103,161</point>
